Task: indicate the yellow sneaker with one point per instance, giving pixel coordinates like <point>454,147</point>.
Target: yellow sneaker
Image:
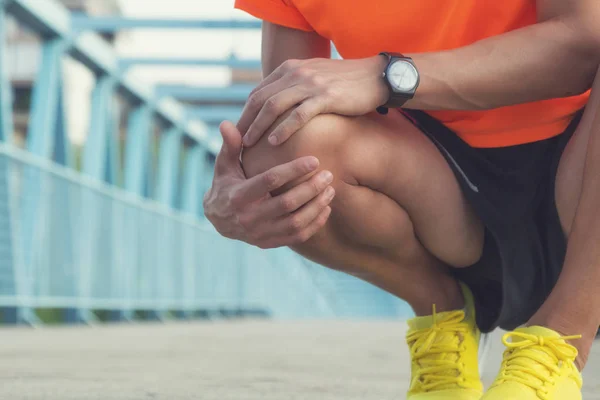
<point>538,365</point>
<point>444,349</point>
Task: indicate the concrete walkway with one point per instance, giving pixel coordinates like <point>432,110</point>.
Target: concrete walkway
<point>217,361</point>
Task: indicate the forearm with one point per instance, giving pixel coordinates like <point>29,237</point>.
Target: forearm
<point>543,61</point>
<point>574,304</point>
<point>280,44</point>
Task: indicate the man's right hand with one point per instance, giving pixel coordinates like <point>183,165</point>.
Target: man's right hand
<point>244,209</point>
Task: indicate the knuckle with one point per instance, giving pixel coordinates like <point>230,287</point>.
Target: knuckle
<point>303,167</point>
<point>289,65</point>
<point>271,105</point>
<point>317,80</point>
<point>331,92</point>
<point>254,101</point>
<point>295,224</point>
<point>301,116</point>
<point>288,204</point>
<point>271,180</point>
<point>236,198</point>
<point>301,73</point>
<point>315,186</point>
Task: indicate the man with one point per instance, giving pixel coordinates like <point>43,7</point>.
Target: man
<point>464,209</point>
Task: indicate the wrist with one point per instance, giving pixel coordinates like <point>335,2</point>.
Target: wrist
<point>377,66</point>
<point>401,77</point>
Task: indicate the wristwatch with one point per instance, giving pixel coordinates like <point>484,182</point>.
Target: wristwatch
<point>402,78</point>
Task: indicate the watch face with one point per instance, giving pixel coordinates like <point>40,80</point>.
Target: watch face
<point>403,76</point>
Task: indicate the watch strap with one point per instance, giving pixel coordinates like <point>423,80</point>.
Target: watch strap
<point>396,100</point>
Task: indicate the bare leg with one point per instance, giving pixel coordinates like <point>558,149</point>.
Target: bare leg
<point>574,305</point>
<point>398,218</point>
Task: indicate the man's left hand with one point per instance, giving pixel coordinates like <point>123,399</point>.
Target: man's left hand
<point>313,87</point>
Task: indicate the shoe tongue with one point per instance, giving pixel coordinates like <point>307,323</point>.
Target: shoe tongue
<point>419,323</point>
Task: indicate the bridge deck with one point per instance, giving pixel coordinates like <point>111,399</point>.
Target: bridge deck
<point>220,361</point>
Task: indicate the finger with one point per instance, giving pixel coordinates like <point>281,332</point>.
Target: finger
<point>256,101</point>
<point>298,221</point>
<point>228,158</point>
<point>262,184</point>
<point>232,143</point>
<point>266,90</point>
<point>273,76</point>
<point>272,108</point>
<point>294,198</point>
<point>296,120</point>
<point>315,226</point>
<point>281,70</point>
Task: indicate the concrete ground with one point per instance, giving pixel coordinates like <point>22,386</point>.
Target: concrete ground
<point>243,360</point>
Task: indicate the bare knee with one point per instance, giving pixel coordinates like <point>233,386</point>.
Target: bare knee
<point>384,197</point>
<point>321,137</point>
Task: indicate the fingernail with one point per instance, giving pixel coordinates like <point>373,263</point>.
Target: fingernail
<point>329,192</point>
<point>313,163</point>
<point>273,140</point>
<point>327,176</point>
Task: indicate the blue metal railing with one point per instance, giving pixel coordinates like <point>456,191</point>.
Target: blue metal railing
<point>97,247</point>
<point>86,240</point>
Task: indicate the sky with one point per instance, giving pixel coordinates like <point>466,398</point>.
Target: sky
<point>185,43</point>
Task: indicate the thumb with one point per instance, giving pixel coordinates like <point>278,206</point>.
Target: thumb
<point>232,141</point>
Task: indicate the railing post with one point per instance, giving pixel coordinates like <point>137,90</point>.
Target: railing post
<point>41,135</point>
<point>193,181</point>
<point>137,149</point>
<point>166,193</point>
<point>44,131</point>
<point>95,164</point>
<point>101,162</point>
<point>95,155</point>
<point>168,167</point>
<point>191,204</point>
<point>113,161</point>
<point>8,284</point>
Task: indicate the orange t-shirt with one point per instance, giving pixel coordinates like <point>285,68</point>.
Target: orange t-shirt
<point>361,28</point>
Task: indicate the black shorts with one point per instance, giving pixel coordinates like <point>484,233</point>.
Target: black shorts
<point>512,191</point>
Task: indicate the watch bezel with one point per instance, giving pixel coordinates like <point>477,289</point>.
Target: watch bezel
<point>394,88</point>
<point>398,97</point>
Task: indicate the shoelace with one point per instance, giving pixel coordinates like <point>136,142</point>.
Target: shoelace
<point>439,372</point>
<point>534,361</point>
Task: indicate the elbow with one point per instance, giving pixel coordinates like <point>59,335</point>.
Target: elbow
<point>583,46</point>
<point>587,69</point>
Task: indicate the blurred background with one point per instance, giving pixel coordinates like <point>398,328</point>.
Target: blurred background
<point>109,113</point>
